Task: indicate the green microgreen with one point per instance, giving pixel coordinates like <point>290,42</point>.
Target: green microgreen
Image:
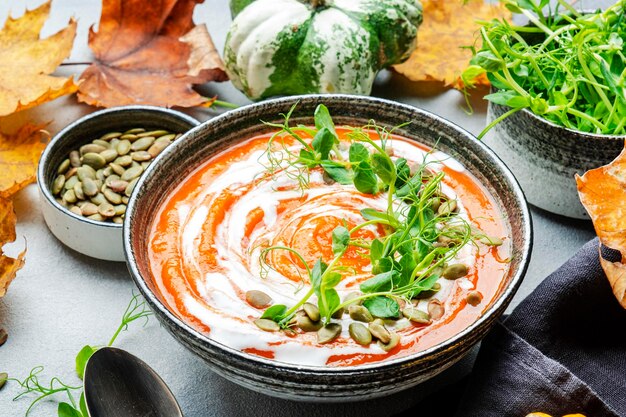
<point>31,385</point>
<point>410,257</point>
<point>565,66</point>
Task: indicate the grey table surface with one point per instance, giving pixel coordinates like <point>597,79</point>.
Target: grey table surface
<point>62,300</point>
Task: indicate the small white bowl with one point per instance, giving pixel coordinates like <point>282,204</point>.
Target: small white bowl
<point>93,238</point>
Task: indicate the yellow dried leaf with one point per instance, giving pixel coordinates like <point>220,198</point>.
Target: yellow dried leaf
<point>603,193</point>
<point>26,61</point>
<point>19,154</point>
<point>8,266</point>
<point>448,27</point>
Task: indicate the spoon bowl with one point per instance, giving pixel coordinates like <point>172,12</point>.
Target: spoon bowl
<point>118,384</point>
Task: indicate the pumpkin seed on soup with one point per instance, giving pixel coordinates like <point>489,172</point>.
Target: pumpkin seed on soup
<point>360,334</point>
<point>267,325</point>
<point>328,333</point>
<point>258,299</point>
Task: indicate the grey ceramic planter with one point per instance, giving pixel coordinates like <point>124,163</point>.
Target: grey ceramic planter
<point>545,157</point>
<point>315,383</point>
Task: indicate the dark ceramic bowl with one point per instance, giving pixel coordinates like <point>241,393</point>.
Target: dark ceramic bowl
<point>545,157</point>
<point>316,383</point>
<point>102,240</point>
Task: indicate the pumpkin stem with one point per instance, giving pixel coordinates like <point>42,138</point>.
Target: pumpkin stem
<point>317,3</point>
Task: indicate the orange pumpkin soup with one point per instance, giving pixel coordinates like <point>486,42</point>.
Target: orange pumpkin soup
<point>256,225</point>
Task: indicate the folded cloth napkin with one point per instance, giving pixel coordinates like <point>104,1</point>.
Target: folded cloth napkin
<point>561,351</point>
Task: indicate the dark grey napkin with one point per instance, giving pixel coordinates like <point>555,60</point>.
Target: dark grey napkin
<point>561,351</point>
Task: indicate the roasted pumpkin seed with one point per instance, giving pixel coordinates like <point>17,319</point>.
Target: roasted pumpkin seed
<point>85,172</point>
<point>75,159</point>
<point>360,334</point>
<point>110,136</point>
<point>131,173</point>
<point>76,210</point>
<point>109,155</point>
<point>416,316</point>
<point>351,296</point>
<point>58,184</point>
<point>447,208</point>
<point>112,196</point>
<point>328,333</point>
<point>130,187</point>
<point>258,299</point>
<point>267,325</point>
<point>78,191</point>
<point>94,160</point>
<point>455,271</point>
<point>89,208</point>
<point>106,210</point>
<point>394,339</point>
<point>379,331</point>
<point>311,311</point>
<point>142,144</point>
<point>90,188</point>
<point>436,309</point>
<point>305,323</point>
<point>360,313</point>
<point>474,298</point>
<point>141,156</point>
<point>69,196</point>
<point>91,148</point>
<point>65,165</point>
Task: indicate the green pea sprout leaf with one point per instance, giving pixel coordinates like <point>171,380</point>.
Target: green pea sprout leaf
<point>383,307</point>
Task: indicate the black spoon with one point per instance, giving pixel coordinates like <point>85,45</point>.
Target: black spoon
<point>118,384</point>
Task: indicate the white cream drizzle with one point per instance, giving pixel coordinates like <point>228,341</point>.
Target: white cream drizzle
<point>223,311</point>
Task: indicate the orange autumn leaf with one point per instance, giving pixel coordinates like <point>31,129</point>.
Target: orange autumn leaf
<point>603,193</point>
<point>26,61</point>
<point>19,154</point>
<point>548,415</point>
<point>8,266</point>
<point>149,53</point>
<point>449,26</point>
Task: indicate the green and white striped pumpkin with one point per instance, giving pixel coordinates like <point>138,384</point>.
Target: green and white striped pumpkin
<point>283,47</point>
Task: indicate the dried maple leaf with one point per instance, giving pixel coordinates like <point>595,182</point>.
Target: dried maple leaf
<point>8,266</point>
<point>26,60</point>
<point>448,27</point>
<point>19,154</point>
<point>603,193</point>
<point>149,53</point>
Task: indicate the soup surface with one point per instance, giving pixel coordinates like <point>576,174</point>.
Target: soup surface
<point>209,247</point>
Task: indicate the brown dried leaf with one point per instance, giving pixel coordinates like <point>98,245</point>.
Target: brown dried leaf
<point>19,154</point>
<point>26,61</point>
<point>448,27</point>
<point>603,193</point>
<point>149,53</point>
<point>8,266</point>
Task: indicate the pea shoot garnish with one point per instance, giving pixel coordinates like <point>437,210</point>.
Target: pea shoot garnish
<point>137,309</point>
<point>423,231</point>
<point>566,66</point>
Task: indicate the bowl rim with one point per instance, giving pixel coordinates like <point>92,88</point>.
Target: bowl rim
<point>320,370</point>
<point>542,120</point>
<point>44,160</point>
